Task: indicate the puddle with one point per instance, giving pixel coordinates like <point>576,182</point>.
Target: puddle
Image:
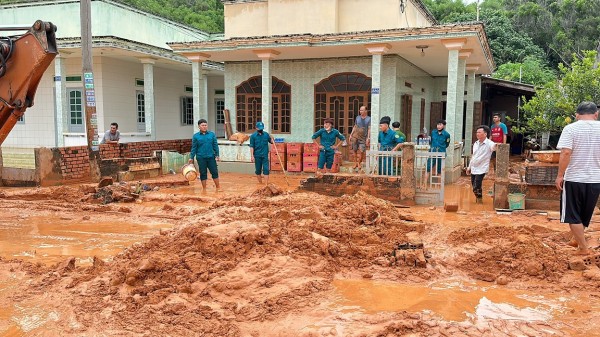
<point>51,239</point>
<point>453,301</point>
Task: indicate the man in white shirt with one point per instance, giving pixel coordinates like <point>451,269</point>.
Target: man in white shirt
<point>480,161</point>
<point>579,172</point>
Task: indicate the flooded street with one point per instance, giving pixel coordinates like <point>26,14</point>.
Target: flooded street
<point>256,261</point>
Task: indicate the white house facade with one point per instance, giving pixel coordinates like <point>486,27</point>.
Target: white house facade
<point>139,82</point>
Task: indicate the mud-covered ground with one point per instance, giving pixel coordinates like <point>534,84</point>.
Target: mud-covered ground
<point>273,261</point>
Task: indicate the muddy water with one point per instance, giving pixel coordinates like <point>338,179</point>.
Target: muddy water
<point>51,239</point>
<point>459,300</point>
<point>451,300</point>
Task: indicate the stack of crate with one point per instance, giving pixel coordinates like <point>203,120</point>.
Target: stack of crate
<point>310,157</point>
<point>337,162</point>
<point>294,157</point>
<point>275,164</point>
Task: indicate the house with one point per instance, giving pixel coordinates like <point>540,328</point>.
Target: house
<point>139,82</point>
<point>294,63</point>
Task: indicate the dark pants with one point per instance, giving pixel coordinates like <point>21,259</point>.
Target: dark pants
<point>211,165</point>
<point>477,181</point>
<point>326,158</point>
<point>261,165</point>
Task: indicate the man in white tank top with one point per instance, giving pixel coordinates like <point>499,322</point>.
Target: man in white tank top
<point>579,172</point>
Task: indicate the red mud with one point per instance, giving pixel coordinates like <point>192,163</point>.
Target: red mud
<point>266,263</point>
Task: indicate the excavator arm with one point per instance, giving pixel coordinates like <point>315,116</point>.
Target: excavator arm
<point>23,61</point>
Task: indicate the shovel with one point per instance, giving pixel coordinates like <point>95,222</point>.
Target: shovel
<point>282,166</point>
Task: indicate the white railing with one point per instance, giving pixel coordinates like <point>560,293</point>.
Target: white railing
<point>457,154</point>
<point>384,163</point>
<point>429,176</point>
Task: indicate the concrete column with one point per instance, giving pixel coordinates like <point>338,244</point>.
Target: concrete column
<point>453,46</point>
<point>267,87</point>
<point>198,87</point>
<point>149,97</point>
<point>267,95</point>
<point>471,69</point>
<point>460,93</point>
<point>377,50</point>
<point>61,105</point>
<point>408,183</point>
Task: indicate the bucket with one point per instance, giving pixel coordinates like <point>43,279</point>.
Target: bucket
<point>189,172</point>
<point>516,201</point>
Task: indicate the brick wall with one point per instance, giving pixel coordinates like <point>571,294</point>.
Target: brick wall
<point>74,162</point>
<point>143,149</point>
<point>387,188</point>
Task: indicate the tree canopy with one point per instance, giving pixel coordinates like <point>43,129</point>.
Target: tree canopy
<point>206,15</point>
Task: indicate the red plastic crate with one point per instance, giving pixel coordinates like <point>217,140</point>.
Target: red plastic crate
<point>295,148</point>
<point>295,157</point>
<point>310,158</point>
<point>294,166</point>
<point>337,158</point>
<point>309,167</point>
<point>281,147</point>
<point>276,166</point>
<point>311,148</point>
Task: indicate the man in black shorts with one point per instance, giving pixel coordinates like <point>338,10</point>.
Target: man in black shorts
<point>579,172</point>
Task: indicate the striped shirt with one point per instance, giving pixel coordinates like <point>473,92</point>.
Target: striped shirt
<point>583,138</point>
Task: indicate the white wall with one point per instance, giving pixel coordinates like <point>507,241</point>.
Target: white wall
<point>38,129</point>
<point>108,19</point>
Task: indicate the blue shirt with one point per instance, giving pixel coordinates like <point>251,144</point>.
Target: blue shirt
<point>389,139</point>
<point>260,144</point>
<point>204,145</point>
<point>439,141</point>
<point>328,138</point>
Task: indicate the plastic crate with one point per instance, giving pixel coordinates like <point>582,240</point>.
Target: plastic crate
<point>294,157</point>
<point>294,166</point>
<point>309,167</point>
<point>295,148</point>
<point>541,174</point>
<point>276,166</point>
<point>281,148</point>
<point>310,158</point>
<point>311,148</point>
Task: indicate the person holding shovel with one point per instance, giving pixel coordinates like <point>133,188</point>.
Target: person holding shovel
<point>259,152</point>
<point>330,140</point>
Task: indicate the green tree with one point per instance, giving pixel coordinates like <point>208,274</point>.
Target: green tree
<point>506,43</point>
<point>563,28</point>
<point>206,15</point>
<point>532,71</point>
<point>554,105</point>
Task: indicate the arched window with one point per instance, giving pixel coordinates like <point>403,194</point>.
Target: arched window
<point>249,105</point>
<point>339,97</point>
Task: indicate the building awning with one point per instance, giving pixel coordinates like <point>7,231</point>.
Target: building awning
<point>132,51</point>
<point>509,86</point>
<point>422,46</point>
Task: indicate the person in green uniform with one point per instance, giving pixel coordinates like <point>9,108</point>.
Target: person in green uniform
<point>206,152</point>
<point>388,140</point>
<point>259,152</point>
<point>329,141</point>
